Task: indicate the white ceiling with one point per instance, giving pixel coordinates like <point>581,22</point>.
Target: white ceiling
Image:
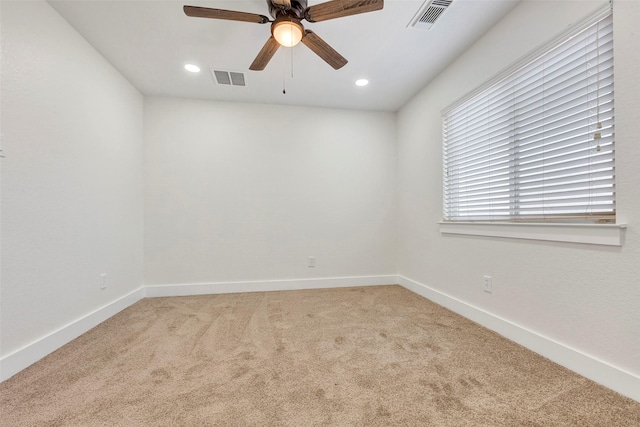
<point>149,42</point>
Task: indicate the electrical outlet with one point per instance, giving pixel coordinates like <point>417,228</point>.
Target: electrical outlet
<point>311,262</point>
<point>103,280</point>
<point>486,281</point>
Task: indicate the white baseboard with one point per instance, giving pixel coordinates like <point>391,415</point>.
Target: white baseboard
<point>266,285</point>
<point>13,363</point>
<point>597,370</point>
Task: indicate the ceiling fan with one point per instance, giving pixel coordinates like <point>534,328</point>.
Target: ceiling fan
<point>286,26</point>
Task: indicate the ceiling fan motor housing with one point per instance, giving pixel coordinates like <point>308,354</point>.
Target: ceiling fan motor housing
<point>296,10</point>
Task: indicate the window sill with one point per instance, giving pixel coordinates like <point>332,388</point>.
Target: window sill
<point>594,234</point>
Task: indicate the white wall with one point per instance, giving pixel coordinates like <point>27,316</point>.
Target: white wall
<point>585,297</point>
<point>241,192</point>
<point>72,178</point>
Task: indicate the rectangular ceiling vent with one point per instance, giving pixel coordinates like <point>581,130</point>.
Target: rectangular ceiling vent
<point>229,78</point>
<point>429,13</point>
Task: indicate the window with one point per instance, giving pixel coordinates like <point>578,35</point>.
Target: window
<point>537,143</point>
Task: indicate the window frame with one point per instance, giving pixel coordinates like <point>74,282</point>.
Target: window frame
<point>581,233</point>
<point>512,191</point>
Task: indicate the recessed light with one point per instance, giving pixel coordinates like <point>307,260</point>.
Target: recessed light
<point>362,82</point>
<point>193,68</point>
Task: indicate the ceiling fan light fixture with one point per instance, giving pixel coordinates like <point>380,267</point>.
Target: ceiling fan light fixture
<point>288,32</point>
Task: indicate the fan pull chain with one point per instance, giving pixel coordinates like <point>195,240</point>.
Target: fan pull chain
<point>291,61</point>
<point>284,73</point>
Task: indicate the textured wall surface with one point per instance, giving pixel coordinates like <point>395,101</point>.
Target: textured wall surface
<point>71,180</point>
<point>237,192</point>
<point>583,296</point>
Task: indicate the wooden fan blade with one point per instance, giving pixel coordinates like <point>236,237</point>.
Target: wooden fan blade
<point>264,56</point>
<point>323,50</point>
<point>339,8</point>
<point>231,15</point>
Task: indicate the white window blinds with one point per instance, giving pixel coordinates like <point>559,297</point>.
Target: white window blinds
<point>538,144</point>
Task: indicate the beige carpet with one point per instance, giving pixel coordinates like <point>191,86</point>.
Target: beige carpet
<point>347,357</point>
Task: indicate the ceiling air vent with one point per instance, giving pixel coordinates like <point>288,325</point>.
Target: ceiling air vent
<point>429,13</point>
<point>229,78</point>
